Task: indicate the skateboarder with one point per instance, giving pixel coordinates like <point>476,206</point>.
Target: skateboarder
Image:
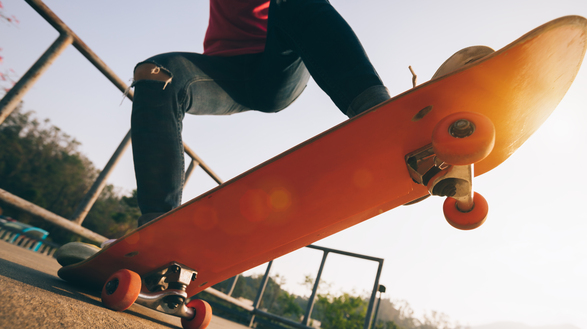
<point>258,55</point>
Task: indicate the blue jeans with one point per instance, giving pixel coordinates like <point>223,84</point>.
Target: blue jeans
<point>304,37</point>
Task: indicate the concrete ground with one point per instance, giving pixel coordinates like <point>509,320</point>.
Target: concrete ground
<point>32,296</point>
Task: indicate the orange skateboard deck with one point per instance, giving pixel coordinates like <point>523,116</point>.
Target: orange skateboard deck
<point>361,168</point>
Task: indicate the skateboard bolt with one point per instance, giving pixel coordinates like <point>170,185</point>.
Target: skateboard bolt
<point>462,128</point>
<point>173,302</point>
<point>111,286</point>
<point>446,187</point>
<point>449,190</point>
<point>194,276</point>
<point>175,269</point>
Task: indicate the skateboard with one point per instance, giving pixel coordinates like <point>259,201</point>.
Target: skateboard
<point>430,140</point>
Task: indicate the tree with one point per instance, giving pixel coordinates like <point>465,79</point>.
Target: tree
<point>41,164</point>
<point>387,325</point>
<point>342,312</point>
<point>289,306</point>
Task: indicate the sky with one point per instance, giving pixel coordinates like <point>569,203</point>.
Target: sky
<point>527,263</point>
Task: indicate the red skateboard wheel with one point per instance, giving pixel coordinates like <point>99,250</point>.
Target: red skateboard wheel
<point>121,290</point>
<point>463,138</point>
<point>203,315</point>
<point>466,220</point>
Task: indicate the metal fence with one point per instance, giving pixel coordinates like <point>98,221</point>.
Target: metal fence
<point>254,309</point>
<point>14,96</point>
<point>17,238</point>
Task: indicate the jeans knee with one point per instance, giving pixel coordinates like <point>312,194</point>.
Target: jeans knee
<point>152,71</point>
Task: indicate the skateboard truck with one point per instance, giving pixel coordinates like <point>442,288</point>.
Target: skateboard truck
<point>164,290</point>
<point>442,179</point>
<point>445,167</point>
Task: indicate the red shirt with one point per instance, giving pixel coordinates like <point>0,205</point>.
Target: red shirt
<point>236,27</point>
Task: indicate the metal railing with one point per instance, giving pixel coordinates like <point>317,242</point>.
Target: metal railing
<point>17,238</point>
<point>14,96</point>
<point>304,324</point>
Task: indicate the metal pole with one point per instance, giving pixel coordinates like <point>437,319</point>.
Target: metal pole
<point>49,216</point>
<point>381,291</point>
<point>376,312</point>
<point>60,26</point>
<point>204,166</point>
<point>9,102</point>
<point>14,96</point>
<point>188,172</point>
<point>373,294</point>
<point>260,292</point>
<point>233,285</point>
<point>311,301</point>
<point>88,201</point>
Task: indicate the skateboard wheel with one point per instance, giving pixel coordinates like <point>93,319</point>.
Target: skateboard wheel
<point>203,315</point>
<point>466,220</point>
<point>121,290</point>
<point>463,138</point>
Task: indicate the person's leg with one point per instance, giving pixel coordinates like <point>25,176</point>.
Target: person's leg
<point>303,33</point>
<point>156,123</point>
<point>330,50</point>
<point>166,87</point>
